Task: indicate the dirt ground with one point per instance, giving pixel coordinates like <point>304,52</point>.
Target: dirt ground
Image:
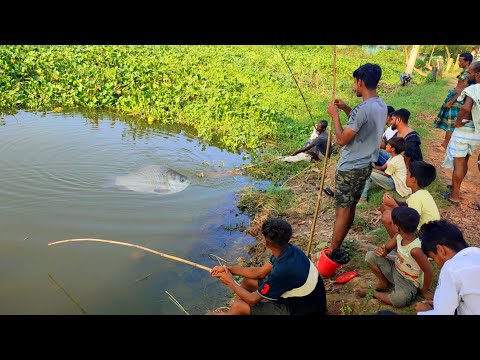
<point>340,297</point>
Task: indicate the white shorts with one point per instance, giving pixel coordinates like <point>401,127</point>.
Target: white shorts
<point>464,141</point>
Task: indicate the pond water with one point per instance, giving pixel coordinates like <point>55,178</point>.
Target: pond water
<point>56,184</point>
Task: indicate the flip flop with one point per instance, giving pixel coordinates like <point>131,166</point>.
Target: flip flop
<point>346,277</point>
<point>475,206</point>
<point>446,197</point>
<point>329,192</point>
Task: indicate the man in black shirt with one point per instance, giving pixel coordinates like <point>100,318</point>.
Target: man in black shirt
<point>413,151</point>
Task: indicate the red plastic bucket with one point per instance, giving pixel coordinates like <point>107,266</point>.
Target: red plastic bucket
<point>325,266</point>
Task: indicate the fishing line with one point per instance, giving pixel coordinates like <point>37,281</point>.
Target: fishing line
<point>298,86</point>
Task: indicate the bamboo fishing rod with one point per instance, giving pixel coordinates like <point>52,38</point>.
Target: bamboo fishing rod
<point>298,86</point>
<point>260,163</point>
<point>135,246</point>
<point>326,152</point>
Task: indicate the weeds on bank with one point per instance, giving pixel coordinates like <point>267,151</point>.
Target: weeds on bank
<point>346,310</point>
<point>278,171</point>
<point>274,199</point>
<point>350,246</point>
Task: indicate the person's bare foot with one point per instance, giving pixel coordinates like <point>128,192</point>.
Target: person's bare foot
<point>360,292</point>
<point>218,312</point>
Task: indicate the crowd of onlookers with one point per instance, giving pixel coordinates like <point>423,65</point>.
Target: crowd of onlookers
<point>391,158</point>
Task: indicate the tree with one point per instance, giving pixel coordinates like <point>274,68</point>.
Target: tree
<point>405,50</point>
<point>449,59</point>
<point>412,58</point>
<point>427,65</point>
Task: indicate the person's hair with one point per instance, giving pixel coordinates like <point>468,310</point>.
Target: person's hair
<point>390,110</point>
<point>466,56</point>
<point>424,172</point>
<point>323,123</point>
<point>277,230</point>
<point>370,74</point>
<point>476,66</point>
<point>406,218</point>
<point>441,232</point>
<point>398,143</point>
<point>402,114</point>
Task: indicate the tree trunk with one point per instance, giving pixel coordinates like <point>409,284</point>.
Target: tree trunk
<point>405,50</point>
<point>456,66</point>
<point>412,58</point>
<point>434,73</point>
<point>449,64</point>
<point>427,65</point>
<point>449,59</point>
<point>448,52</point>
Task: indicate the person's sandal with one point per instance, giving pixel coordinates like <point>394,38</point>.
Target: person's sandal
<point>329,192</point>
<point>447,197</point>
<point>475,206</point>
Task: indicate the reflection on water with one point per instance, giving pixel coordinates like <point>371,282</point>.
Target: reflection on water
<point>52,187</point>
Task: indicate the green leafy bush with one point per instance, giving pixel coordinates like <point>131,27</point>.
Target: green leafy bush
<point>242,96</point>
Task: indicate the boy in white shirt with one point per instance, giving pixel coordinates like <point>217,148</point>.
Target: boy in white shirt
<point>458,287</point>
<point>392,175</point>
<point>383,155</point>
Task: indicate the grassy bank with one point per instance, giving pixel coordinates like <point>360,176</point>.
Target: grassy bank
<point>294,193</point>
<point>423,103</point>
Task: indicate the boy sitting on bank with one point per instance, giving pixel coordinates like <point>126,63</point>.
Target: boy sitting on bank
<point>458,287</point>
<point>419,175</point>
<point>287,284</point>
<point>391,175</point>
<point>410,271</point>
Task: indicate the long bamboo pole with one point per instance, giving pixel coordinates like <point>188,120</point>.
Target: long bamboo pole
<point>135,246</point>
<point>320,191</point>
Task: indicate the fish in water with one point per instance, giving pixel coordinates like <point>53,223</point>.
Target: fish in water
<point>153,179</point>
